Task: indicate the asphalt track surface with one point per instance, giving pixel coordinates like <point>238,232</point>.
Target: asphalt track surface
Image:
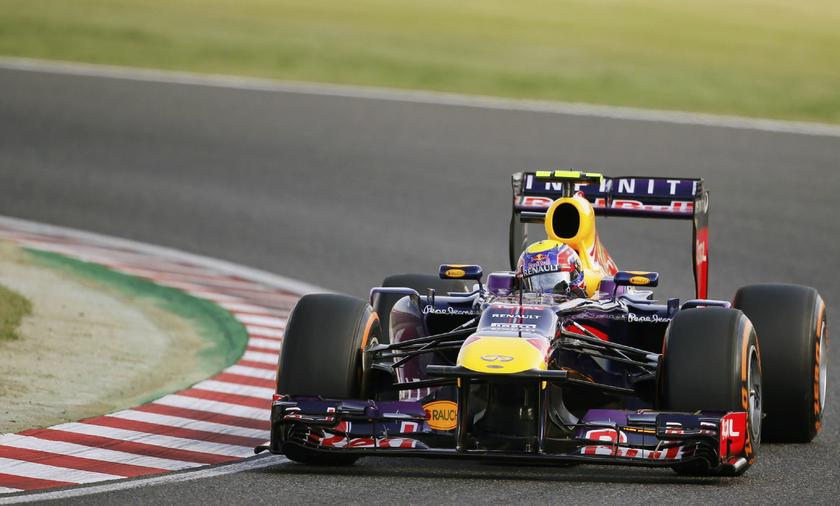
<point>341,191</point>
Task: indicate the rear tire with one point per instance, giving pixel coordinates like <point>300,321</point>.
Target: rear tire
<point>711,362</point>
<point>791,324</point>
<point>322,356</point>
<point>383,302</point>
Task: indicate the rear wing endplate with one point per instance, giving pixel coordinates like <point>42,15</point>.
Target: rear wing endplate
<point>634,197</point>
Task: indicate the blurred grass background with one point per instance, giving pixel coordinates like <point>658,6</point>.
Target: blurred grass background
<point>768,58</point>
<point>13,308</point>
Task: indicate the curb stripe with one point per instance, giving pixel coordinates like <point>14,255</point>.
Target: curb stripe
<point>54,473</point>
<point>271,344</point>
<point>240,400</point>
<point>264,332</point>
<point>187,423</point>
<point>179,443</point>
<point>88,452</point>
<point>241,370</point>
<point>179,432</point>
<point>78,463</point>
<point>217,421</point>
<point>28,483</point>
<point>268,351</point>
<point>235,307</point>
<point>236,389</point>
<point>265,366</point>
<point>225,408</point>
<point>205,416</point>
<point>262,321</point>
<point>131,446</point>
<point>265,358</point>
<point>211,281</point>
<point>246,380</point>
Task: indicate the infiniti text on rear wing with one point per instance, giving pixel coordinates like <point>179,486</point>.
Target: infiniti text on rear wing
<point>640,197</point>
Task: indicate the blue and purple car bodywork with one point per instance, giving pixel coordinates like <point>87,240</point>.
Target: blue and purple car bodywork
<point>495,373</point>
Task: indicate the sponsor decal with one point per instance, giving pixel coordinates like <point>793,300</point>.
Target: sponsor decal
<point>613,450</point>
<point>676,206</point>
<point>734,437</point>
<point>528,316</point>
<point>448,311</point>
<point>494,358</point>
<point>509,307</point>
<point>441,415</point>
<point>608,435</point>
<point>594,315</point>
<point>535,202</point>
<point>654,318</point>
<point>727,427</point>
<point>513,326</point>
<point>639,281</point>
<point>540,269</point>
<point>455,273</point>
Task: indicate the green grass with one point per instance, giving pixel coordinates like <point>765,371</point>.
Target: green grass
<point>225,335</point>
<point>768,58</point>
<point>13,307</point>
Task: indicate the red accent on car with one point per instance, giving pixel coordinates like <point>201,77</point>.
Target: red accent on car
<point>597,333</point>
<point>733,436</point>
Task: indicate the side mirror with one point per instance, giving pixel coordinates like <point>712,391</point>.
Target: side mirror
<point>636,278</point>
<point>461,271</point>
<point>501,284</point>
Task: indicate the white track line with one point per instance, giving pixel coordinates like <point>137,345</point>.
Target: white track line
<point>254,330</point>
<point>419,97</point>
<point>189,423</point>
<point>45,472</point>
<point>89,452</point>
<point>239,467</point>
<point>251,371</point>
<point>177,443</point>
<point>235,388</point>
<point>223,408</point>
<point>258,356</point>
<point>263,321</point>
<point>272,344</point>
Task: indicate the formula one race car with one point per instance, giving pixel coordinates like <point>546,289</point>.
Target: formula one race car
<point>563,359</point>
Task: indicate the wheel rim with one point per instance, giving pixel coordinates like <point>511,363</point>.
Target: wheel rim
<point>823,368</point>
<point>754,411</point>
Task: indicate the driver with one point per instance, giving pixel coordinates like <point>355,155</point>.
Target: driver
<point>551,267</point>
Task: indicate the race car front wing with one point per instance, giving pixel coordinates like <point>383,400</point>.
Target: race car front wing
<point>716,442</point>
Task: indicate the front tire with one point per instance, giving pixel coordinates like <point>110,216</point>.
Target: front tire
<point>322,356</point>
<point>791,324</point>
<point>711,362</point>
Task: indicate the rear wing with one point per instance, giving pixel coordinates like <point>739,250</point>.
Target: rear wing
<point>634,197</point>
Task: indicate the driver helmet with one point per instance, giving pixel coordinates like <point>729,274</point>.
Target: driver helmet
<point>545,265</point>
